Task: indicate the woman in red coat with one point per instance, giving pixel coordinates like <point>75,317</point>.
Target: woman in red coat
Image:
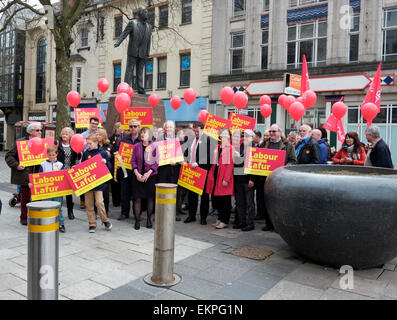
<point>220,182</point>
<point>351,152</point>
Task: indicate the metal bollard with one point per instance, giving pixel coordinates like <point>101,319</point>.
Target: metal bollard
<point>43,250</point>
<point>164,239</point>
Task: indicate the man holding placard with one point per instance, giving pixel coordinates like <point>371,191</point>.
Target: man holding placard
<point>200,155</point>
<point>20,173</point>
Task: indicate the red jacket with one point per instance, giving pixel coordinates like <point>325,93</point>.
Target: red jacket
<point>342,153</point>
<point>225,173</point>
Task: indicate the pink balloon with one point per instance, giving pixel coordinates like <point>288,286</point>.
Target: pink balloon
<point>154,100</point>
<point>339,109</point>
<point>122,102</point>
<point>369,111</point>
<point>103,85</point>
<point>297,110</point>
<point>240,100</point>
<point>73,98</point>
<point>202,116</point>
<point>288,101</point>
<point>265,99</point>
<point>311,98</point>
<point>123,87</point>
<point>176,102</point>
<point>302,100</point>
<point>189,95</point>
<point>227,94</point>
<point>282,100</point>
<point>36,146</point>
<point>266,110</point>
<point>130,92</point>
<point>100,119</point>
<point>77,143</point>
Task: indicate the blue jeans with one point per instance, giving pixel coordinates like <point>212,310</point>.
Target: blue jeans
<point>59,199</point>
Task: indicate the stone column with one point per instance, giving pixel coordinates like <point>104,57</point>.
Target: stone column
<point>338,32</point>
<point>370,44</point>
<point>278,31</point>
<point>253,36</point>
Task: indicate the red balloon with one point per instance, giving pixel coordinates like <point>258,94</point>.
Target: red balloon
<point>73,98</point>
<point>103,85</point>
<point>130,92</point>
<point>369,111</point>
<point>288,101</point>
<point>266,110</point>
<point>189,95</point>
<point>123,87</point>
<point>227,94</point>
<point>311,98</point>
<point>302,100</point>
<point>176,102</point>
<point>265,99</point>
<point>122,102</point>
<point>297,110</point>
<point>240,100</point>
<point>202,116</point>
<point>339,109</point>
<point>36,146</point>
<point>77,143</point>
<point>282,100</point>
<point>100,119</point>
<point>154,100</point>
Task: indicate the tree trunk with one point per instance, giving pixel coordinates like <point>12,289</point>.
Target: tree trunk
<point>62,64</point>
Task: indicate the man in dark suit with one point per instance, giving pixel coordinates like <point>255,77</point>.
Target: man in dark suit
<point>200,154</point>
<point>138,47</point>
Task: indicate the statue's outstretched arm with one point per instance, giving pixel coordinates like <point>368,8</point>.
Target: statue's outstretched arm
<point>124,34</point>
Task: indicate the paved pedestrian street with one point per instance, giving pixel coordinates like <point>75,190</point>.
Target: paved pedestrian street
<point>112,264</point>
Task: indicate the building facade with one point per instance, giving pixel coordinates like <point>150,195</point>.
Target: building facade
<point>180,57</point>
<point>257,42</point>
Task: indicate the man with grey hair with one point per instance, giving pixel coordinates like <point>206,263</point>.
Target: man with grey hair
<point>307,150</point>
<point>126,183</point>
<point>170,173</point>
<point>379,154</point>
<point>20,173</point>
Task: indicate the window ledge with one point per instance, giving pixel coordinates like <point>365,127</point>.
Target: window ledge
<point>238,18</point>
<point>183,87</point>
<point>160,89</point>
<point>163,27</point>
<point>185,24</point>
<point>83,48</point>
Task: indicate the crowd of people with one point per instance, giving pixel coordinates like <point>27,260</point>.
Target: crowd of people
<point>227,188</point>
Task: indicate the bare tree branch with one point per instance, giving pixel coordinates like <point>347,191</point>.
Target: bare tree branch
<point>24,4</point>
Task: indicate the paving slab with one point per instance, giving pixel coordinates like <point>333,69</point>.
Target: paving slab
<point>335,294</point>
<point>196,288</point>
<point>84,290</point>
<point>367,287</point>
<point>242,291</point>
<point>287,290</point>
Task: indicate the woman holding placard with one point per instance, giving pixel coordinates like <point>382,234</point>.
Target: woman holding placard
<point>144,166</point>
<point>220,181</point>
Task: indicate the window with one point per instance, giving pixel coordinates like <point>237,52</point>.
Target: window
<point>163,22</point>
<point>297,3</point>
<point>264,48</point>
<point>149,74</point>
<point>162,73</point>
<point>41,70</point>
<point>7,65</point>
<point>78,80</point>
<point>186,11</point>
<point>354,39</point>
<point>185,70</point>
<point>118,26</point>
<point>70,78</point>
<point>238,7</point>
<point>84,37</point>
<point>151,16</point>
<point>237,53</point>
<point>116,75</point>
<point>266,5</point>
<point>390,35</point>
<point>309,39</point>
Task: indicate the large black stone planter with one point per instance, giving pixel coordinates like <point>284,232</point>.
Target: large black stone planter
<point>336,219</point>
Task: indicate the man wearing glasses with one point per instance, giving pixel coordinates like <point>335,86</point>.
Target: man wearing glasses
<point>126,183</point>
<point>19,173</point>
<point>276,142</point>
<point>92,129</point>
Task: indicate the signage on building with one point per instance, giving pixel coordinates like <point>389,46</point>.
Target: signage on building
<point>351,82</point>
<point>37,117</point>
<point>292,84</point>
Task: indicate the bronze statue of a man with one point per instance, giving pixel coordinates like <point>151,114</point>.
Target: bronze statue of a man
<point>138,47</point>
